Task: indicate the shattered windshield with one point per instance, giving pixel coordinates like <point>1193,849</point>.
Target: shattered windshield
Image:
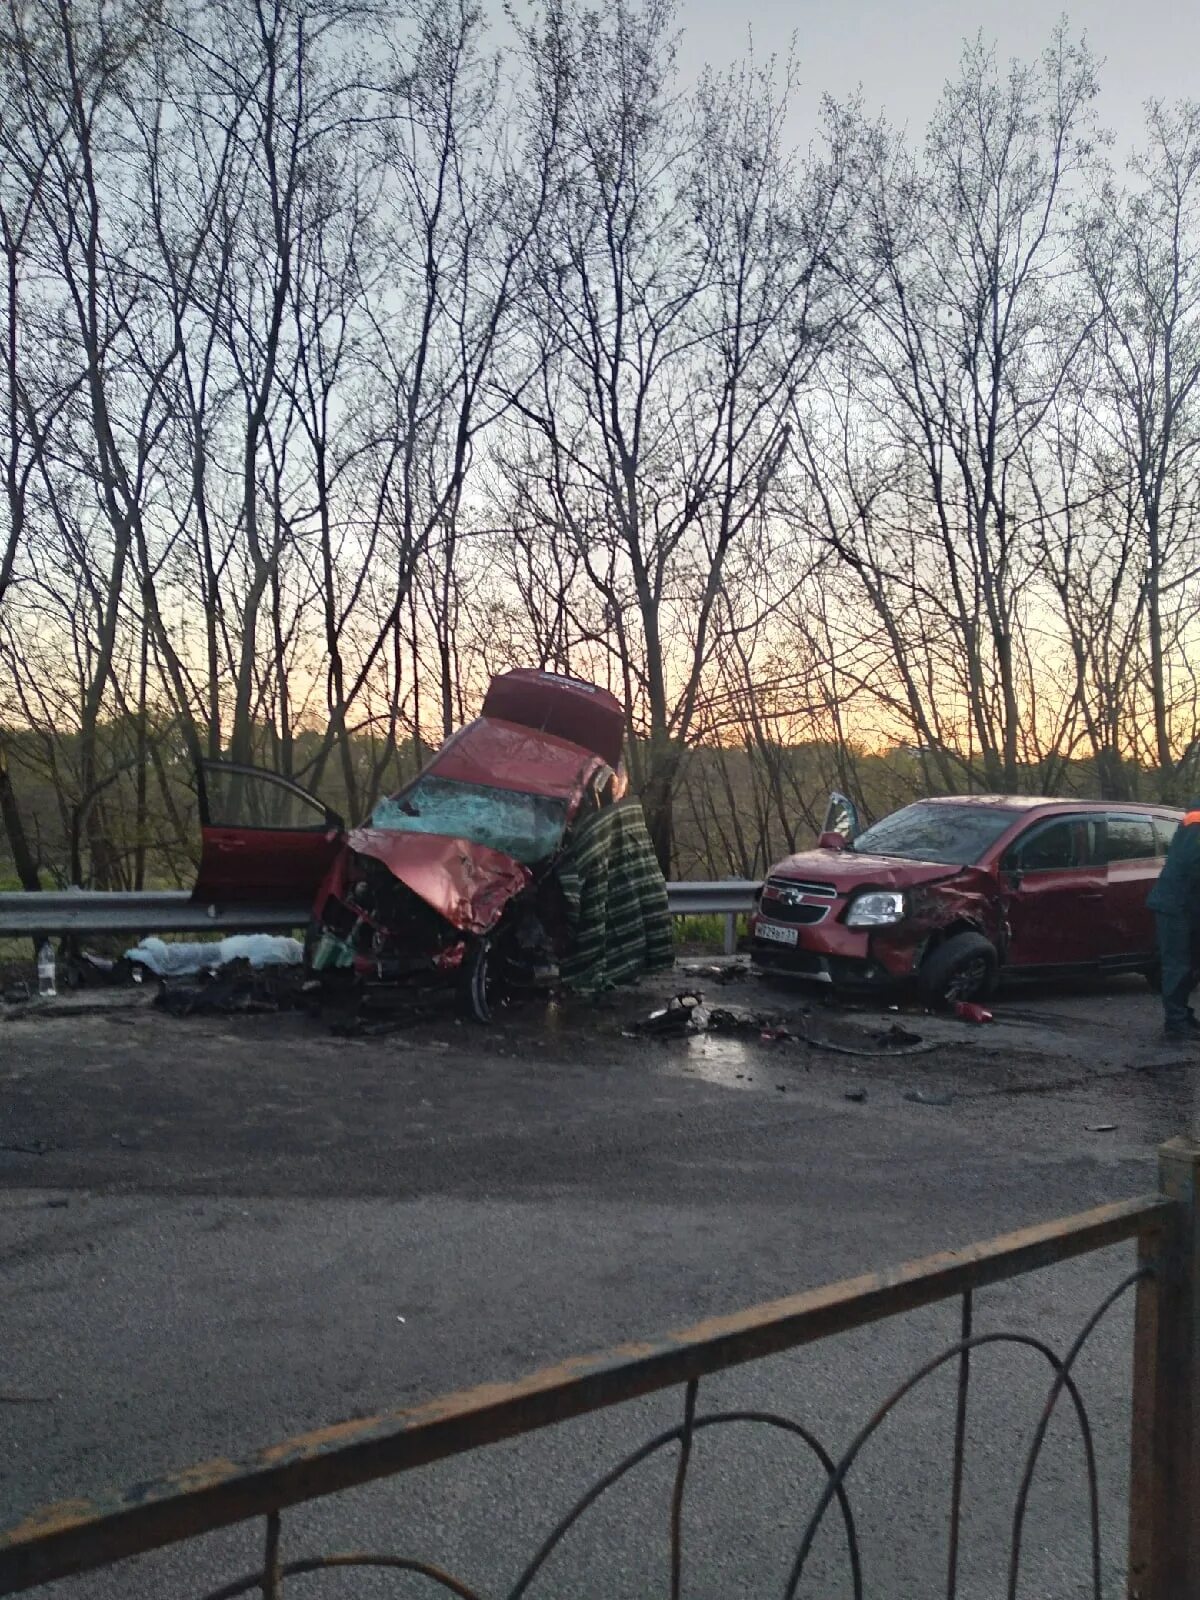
<point>955,835</point>
<point>528,827</point>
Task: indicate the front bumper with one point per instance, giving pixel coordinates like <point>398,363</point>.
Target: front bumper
<point>831,953</point>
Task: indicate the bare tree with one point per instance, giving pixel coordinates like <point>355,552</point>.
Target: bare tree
<point>682,292</point>
<point>964,341</point>
<point>1141,259</point>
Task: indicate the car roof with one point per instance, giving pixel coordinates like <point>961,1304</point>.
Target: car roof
<point>506,755</point>
<point>1035,802</point>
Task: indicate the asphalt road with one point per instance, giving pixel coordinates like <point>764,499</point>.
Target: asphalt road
<point>266,1229</point>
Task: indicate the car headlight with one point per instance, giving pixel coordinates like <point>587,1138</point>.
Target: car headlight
<point>876,910</point>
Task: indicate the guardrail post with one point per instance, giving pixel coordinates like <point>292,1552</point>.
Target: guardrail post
<point>1164,1491</point>
<point>731,933</point>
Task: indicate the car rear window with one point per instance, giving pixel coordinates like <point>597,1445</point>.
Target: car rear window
<point>528,827</point>
<point>956,835</point>
<point>1129,839</point>
<point>1060,845</point>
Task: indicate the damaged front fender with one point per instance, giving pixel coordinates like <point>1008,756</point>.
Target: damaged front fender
<point>967,899</point>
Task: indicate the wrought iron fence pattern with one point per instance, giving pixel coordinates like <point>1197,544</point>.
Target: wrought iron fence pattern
<point>81,1536</point>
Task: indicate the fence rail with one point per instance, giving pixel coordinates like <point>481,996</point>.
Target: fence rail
<point>78,1536</point>
<point>87,912</point>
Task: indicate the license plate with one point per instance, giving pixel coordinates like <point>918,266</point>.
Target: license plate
<point>776,933</point>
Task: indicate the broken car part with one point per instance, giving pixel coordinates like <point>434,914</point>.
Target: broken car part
<point>470,875</point>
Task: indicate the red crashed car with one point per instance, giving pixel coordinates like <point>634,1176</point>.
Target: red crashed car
<point>947,893</point>
<point>452,877</point>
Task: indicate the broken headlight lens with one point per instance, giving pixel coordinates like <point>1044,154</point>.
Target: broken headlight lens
<point>876,909</point>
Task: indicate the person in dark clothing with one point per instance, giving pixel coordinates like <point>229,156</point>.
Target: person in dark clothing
<point>1175,901</point>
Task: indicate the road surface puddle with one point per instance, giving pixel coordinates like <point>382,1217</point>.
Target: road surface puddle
<point>726,1060</point>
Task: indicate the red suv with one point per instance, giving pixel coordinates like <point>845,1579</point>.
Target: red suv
<point>948,892</point>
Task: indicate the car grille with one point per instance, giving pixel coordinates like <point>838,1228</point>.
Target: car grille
<point>825,891</point>
<point>804,916</point>
<point>790,900</point>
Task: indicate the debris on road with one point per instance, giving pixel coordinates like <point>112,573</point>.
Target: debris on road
<point>236,987</point>
<point>682,1014</point>
<point>857,1095</point>
<point>926,1097</point>
<point>1102,1127</point>
<point>189,960</point>
<point>686,1015</point>
<point>972,1011</point>
<point>90,971</point>
<point>715,971</point>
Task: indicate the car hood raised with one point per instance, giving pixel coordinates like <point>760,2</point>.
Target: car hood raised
<point>468,884</point>
<point>847,871</point>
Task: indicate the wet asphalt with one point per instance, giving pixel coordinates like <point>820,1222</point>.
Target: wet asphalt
<point>217,1232</point>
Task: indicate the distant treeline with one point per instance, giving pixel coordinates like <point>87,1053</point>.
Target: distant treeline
<point>736,808</point>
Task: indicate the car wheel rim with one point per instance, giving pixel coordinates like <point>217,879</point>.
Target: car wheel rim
<point>968,980</point>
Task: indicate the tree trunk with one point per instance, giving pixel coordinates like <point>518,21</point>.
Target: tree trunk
<point>14,828</point>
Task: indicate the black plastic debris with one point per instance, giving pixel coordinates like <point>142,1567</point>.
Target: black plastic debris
<point>895,1037</point>
<point>683,1014</point>
<point>734,1019</point>
<point>87,970</point>
<point>857,1095</point>
<point>236,988</point>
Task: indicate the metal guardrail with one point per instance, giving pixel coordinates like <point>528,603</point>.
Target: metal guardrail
<point>91,911</point>
<point>95,911</point>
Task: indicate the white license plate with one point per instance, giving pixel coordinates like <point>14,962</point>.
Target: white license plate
<point>776,933</point>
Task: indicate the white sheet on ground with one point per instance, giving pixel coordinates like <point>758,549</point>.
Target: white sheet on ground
<point>185,960</point>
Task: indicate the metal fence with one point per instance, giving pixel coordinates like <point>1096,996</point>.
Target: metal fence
<point>1164,1543</point>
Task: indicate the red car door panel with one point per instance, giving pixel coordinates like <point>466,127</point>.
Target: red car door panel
<point>1056,893</point>
<point>263,838</point>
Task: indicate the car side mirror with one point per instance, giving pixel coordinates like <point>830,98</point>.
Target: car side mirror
<point>831,841</point>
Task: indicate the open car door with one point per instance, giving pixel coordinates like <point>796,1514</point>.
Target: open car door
<point>263,838</point>
<point>840,827</point>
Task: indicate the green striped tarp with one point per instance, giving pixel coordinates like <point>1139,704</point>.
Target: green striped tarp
<point>616,898</point>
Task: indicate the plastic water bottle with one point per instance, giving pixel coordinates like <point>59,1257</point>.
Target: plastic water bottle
<point>47,985</point>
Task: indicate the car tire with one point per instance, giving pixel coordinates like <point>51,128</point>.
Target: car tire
<point>964,967</point>
<point>477,981</point>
